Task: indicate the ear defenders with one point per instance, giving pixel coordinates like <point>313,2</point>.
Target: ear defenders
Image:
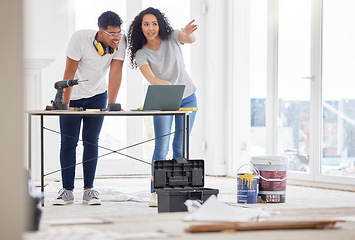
<point>101,49</point>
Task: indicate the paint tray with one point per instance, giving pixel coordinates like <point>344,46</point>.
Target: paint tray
<point>178,180</point>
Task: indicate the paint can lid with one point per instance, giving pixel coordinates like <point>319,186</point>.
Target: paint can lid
<point>269,160</point>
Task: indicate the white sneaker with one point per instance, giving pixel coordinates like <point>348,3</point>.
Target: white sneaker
<point>91,197</point>
<point>65,197</point>
<point>153,202</point>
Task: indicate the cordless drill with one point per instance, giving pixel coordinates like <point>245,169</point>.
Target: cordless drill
<point>58,104</point>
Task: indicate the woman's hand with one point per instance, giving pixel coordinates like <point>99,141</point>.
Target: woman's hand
<point>189,28</point>
<point>187,33</point>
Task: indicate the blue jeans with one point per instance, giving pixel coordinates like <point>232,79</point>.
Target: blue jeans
<point>70,130</point>
<point>162,126</point>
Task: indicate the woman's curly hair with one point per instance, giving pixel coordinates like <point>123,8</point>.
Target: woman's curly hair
<point>136,38</point>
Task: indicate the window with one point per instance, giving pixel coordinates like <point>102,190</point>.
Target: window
<point>338,146</point>
<point>258,45</point>
<point>315,104</point>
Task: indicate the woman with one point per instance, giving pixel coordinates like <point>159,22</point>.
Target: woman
<point>154,47</point>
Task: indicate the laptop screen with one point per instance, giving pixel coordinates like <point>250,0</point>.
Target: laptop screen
<point>163,97</point>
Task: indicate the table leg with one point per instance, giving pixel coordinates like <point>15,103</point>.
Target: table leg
<point>42,160</point>
<point>184,136</point>
<point>188,136</point>
<point>29,164</point>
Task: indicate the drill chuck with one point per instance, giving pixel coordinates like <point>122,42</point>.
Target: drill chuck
<point>67,83</point>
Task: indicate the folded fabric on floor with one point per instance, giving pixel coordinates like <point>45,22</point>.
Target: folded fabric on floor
<point>218,211</point>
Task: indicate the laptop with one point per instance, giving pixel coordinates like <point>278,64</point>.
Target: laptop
<point>163,97</point>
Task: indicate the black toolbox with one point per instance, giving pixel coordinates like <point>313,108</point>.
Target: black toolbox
<point>178,180</point>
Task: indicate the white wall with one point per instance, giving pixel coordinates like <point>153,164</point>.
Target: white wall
<point>48,27</point>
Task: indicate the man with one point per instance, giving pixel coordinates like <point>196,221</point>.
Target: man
<point>90,55</point>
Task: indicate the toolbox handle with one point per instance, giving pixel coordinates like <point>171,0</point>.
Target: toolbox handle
<point>195,195</point>
<point>180,160</point>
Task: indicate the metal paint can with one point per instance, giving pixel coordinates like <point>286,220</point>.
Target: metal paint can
<point>248,187</point>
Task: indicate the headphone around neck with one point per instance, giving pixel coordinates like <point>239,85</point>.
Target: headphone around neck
<point>101,49</point>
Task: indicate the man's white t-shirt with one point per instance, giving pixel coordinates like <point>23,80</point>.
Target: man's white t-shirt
<point>92,66</point>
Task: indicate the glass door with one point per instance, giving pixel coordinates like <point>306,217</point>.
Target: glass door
<point>258,75</point>
<point>293,88</point>
<point>338,84</point>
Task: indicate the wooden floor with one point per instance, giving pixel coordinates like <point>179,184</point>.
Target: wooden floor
<point>124,213</point>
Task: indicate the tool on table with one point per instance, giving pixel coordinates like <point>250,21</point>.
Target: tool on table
<point>58,104</point>
<point>180,109</point>
<point>49,108</point>
<point>188,109</point>
<point>112,107</point>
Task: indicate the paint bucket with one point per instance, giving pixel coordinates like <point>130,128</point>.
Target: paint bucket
<point>248,187</point>
<point>273,174</point>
